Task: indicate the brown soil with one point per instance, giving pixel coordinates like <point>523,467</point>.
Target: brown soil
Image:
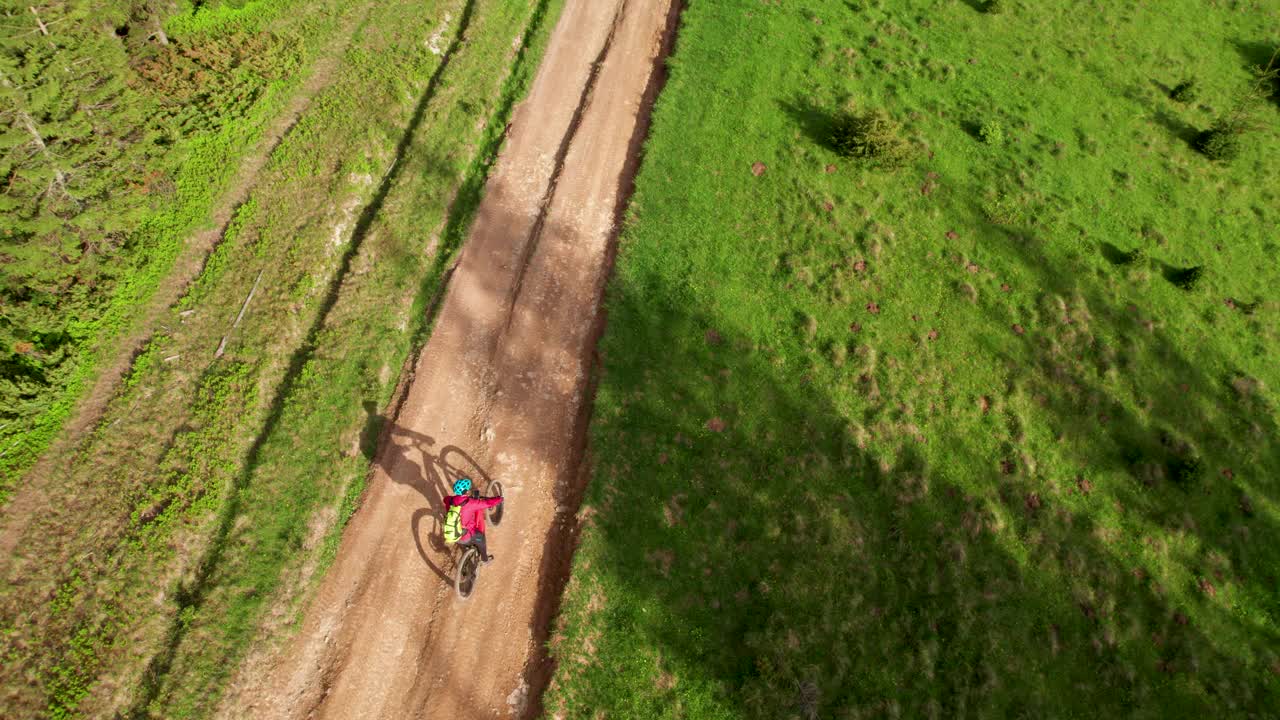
<point>501,391</point>
<point>1033,502</point>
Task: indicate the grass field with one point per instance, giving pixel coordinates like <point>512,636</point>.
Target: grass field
<point>189,527</point>
<point>947,440</point>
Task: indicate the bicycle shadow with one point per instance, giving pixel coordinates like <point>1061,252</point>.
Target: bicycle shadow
<point>436,471</point>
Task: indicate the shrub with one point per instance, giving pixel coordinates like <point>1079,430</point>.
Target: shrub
<point>1002,209</point>
<point>1185,91</point>
<point>993,7</point>
<point>991,132</point>
<point>870,136</point>
<point>1221,141</point>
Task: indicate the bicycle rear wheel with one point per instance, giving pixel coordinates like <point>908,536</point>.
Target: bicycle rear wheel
<point>464,578</point>
<point>495,512</point>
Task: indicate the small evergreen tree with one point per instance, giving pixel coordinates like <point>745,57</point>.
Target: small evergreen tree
<point>870,136</point>
<point>991,132</point>
<point>1223,139</point>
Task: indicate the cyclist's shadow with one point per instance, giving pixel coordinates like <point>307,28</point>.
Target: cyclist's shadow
<point>438,471</point>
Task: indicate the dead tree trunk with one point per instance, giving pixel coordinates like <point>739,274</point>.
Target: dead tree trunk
<point>59,177</point>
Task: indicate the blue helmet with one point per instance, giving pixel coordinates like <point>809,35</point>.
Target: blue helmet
<point>460,487</point>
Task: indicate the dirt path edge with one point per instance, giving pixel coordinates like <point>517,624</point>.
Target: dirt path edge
<point>562,538</point>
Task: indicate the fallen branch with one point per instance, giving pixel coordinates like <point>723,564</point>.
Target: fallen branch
<point>223,345</point>
<point>159,34</point>
<point>43,28</point>
<point>59,177</point>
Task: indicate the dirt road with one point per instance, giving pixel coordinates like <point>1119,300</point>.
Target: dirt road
<point>500,391</point>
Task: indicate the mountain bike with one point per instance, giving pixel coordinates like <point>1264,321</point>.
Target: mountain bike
<point>468,565</point>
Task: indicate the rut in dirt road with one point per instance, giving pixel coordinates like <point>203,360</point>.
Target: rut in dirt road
<point>501,390</point>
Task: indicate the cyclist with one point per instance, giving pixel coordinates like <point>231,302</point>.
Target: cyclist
<point>465,525</point>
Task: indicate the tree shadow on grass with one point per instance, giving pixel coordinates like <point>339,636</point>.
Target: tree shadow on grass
<point>1256,55</point>
<point>972,129</point>
<point>1116,256</point>
<point>755,548</point>
<point>814,121</point>
<point>1179,128</point>
<point>1185,445</point>
<point>1165,90</point>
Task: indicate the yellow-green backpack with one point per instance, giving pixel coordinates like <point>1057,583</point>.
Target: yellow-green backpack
<point>453,524</point>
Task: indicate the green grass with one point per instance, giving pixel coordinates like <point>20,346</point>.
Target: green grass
<point>946,440</point>
<point>191,525</point>
<point>156,198</point>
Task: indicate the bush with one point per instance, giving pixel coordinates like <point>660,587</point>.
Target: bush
<point>1002,209</point>
<point>991,132</point>
<point>870,136</point>
<point>1185,91</point>
<point>993,7</point>
<point>1220,142</point>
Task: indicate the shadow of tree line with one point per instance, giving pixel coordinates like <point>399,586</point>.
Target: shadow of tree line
<point>752,550</point>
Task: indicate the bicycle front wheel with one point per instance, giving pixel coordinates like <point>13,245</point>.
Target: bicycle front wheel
<point>495,512</point>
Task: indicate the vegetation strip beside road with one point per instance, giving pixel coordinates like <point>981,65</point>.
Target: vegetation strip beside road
<point>211,484</point>
<point>143,140</point>
<point>962,438</point>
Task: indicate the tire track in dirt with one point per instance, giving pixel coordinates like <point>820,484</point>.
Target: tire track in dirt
<point>501,390</point>
<point>89,408</point>
<point>535,234</point>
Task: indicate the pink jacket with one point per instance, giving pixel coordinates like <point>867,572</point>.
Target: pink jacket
<point>472,512</point>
